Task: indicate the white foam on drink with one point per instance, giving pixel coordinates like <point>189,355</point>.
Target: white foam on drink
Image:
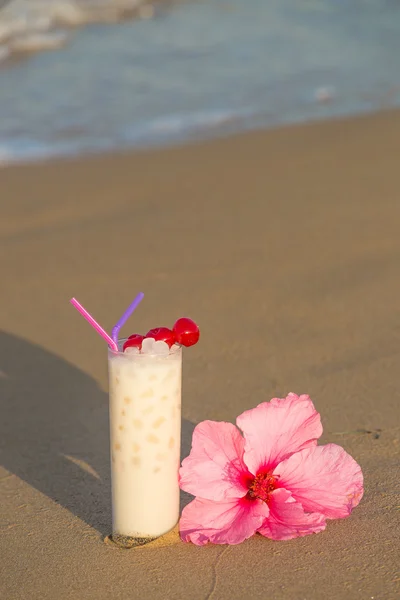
<point>147,346</point>
<point>132,350</point>
<point>161,348</point>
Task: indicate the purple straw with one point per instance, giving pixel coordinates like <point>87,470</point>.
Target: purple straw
<point>125,316</point>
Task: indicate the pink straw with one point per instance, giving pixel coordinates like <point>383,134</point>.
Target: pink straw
<point>94,324</point>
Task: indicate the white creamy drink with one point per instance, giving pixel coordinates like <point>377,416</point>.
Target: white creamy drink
<point>145,429</point>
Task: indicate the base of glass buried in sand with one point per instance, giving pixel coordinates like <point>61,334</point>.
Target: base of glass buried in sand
<point>127,542</point>
<point>145,428</point>
<point>171,538</point>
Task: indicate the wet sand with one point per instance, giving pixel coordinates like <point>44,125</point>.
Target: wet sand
<point>285,247</point>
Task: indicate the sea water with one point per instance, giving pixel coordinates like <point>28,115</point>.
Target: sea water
<point>192,70</point>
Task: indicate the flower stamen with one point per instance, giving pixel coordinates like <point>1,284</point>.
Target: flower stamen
<point>262,486</point>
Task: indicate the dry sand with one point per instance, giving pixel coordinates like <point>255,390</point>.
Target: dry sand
<point>285,247</point>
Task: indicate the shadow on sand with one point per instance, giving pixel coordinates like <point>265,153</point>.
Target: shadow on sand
<point>54,430</point>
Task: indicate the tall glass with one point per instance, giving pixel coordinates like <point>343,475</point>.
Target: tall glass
<point>145,431</point>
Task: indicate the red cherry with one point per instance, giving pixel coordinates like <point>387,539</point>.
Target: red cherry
<point>134,341</point>
<point>162,334</point>
<point>186,332</point>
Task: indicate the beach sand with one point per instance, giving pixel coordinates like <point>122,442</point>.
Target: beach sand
<point>285,247</point>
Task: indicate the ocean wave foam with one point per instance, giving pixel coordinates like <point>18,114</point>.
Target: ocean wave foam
<point>28,26</point>
<point>167,129</point>
<point>174,126</point>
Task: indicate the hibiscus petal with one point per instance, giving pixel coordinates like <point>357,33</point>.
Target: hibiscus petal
<point>229,522</point>
<point>287,518</point>
<point>215,469</point>
<point>323,479</point>
<point>275,430</point>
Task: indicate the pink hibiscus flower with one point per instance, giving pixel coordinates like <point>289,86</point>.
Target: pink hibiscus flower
<point>273,480</point>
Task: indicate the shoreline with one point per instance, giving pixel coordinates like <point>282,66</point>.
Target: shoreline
<point>194,141</point>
